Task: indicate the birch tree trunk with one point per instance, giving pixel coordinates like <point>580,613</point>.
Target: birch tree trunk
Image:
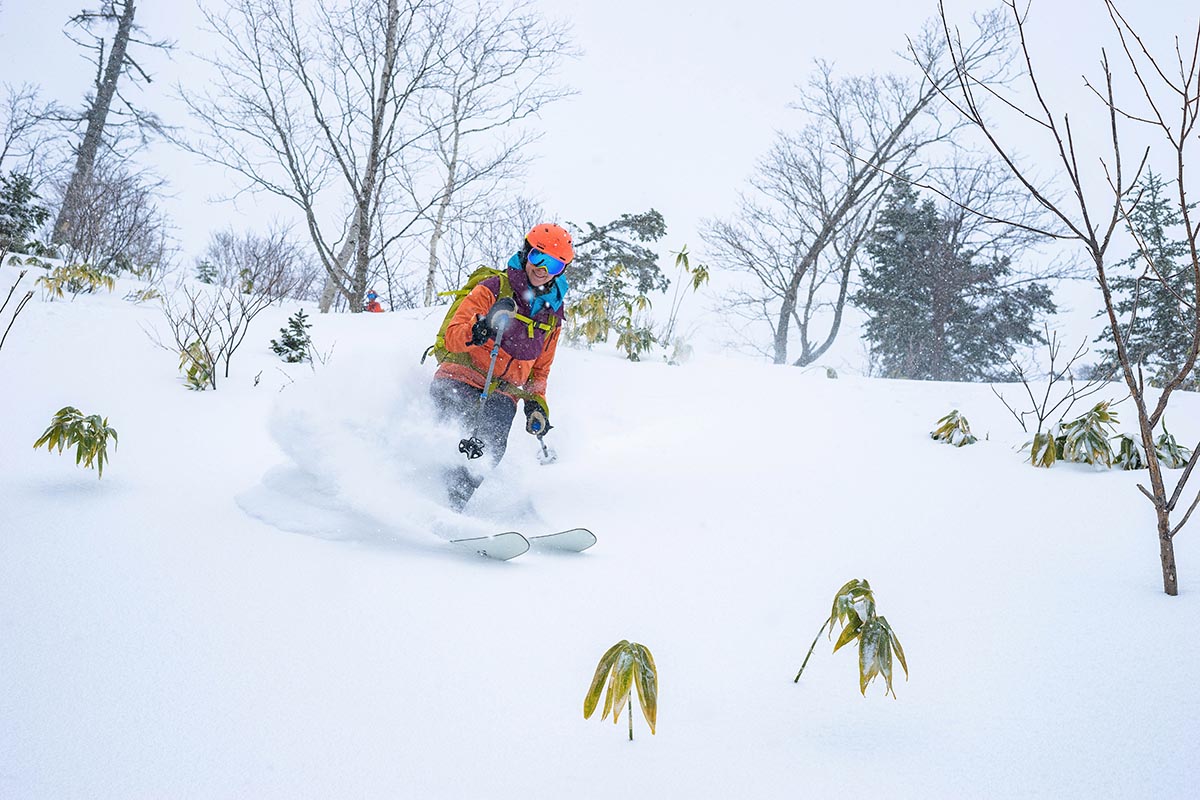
<point>337,275</point>
<point>439,222</point>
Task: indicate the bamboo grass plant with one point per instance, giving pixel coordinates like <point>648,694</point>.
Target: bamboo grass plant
<point>854,610</point>
<point>953,429</point>
<point>88,435</point>
<point>624,666</point>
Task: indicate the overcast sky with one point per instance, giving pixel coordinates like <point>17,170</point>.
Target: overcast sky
<point>676,98</point>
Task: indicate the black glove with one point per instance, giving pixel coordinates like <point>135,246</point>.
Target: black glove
<point>481,332</point>
<point>498,317</point>
<point>537,419</point>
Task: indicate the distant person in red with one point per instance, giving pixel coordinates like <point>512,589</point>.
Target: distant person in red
<point>373,303</point>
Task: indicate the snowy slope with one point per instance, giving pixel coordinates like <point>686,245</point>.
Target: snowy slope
<point>255,601</point>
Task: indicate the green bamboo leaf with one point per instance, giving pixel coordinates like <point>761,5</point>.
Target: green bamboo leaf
<point>608,696</point>
<point>866,670</point>
<point>895,641</point>
<point>849,634</point>
<point>647,685</point>
<point>883,657</point>
<point>602,670</point>
<point>868,655</point>
<point>623,682</point>
<point>838,598</point>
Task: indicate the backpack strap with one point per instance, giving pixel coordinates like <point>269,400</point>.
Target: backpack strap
<point>531,324</point>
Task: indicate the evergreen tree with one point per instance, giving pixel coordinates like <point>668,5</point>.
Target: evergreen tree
<point>20,215</point>
<point>1155,323</point>
<point>206,272</point>
<point>611,276</point>
<point>294,342</point>
<point>937,309</point>
<point>622,242</point>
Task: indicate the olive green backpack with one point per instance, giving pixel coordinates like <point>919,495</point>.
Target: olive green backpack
<point>438,348</point>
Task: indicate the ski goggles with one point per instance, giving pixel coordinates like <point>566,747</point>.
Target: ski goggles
<point>552,265</point>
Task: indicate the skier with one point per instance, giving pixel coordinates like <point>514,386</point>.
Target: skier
<point>522,307</point>
<point>373,304</point>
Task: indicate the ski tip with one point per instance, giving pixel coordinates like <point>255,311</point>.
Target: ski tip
<point>573,540</point>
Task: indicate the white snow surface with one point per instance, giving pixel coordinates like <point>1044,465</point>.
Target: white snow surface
<point>257,600</point>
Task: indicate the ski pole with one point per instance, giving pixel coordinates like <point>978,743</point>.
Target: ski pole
<point>473,447</point>
<point>548,456</point>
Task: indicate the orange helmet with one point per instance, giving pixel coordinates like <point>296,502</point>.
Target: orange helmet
<point>552,240</point>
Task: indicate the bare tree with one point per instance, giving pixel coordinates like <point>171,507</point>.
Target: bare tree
<point>320,111</point>
<point>26,138</point>
<point>96,116</point>
<point>815,194</point>
<point>207,324</point>
<point>496,65</point>
<point>488,235</point>
<point>116,219</point>
<point>1167,106</point>
<point>1052,402</point>
<point>272,259</point>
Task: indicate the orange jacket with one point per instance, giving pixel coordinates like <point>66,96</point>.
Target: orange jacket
<point>523,361</point>
<point>374,307</point>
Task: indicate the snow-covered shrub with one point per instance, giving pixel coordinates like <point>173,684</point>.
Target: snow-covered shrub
<point>36,254</point>
<point>854,610</point>
<point>1172,454</point>
<point>624,666</point>
<point>953,429</point>
<point>142,295</point>
<point>1085,439</point>
<point>75,279</point>
<point>1043,450</point>
<point>1129,453</point>
<point>294,343</point>
<point>88,435</point>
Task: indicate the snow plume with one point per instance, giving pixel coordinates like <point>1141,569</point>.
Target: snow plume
<point>367,455</point>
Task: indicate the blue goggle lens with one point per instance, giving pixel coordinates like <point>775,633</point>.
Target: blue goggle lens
<point>547,262</point>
